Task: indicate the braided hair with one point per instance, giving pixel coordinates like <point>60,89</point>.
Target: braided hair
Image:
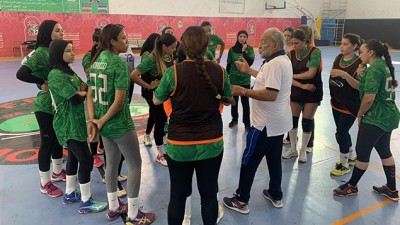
<point>194,43</point>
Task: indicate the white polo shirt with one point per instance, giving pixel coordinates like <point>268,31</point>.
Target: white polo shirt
<point>277,115</point>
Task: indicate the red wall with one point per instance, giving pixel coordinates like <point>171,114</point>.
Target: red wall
<point>18,26</point>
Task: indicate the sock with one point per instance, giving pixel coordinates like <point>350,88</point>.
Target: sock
<point>85,191</point>
<point>344,159</point>
<point>188,206</point>
<point>44,177</point>
<point>293,138</point>
<point>390,172</point>
<point>113,203</point>
<point>356,176</point>
<point>57,165</point>
<point>304,141</point>
<point>133,207</point>
<point>160,149</point>
<point>70,185</point>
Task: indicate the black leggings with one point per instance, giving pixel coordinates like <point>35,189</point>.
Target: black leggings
<point>343,124</point>
<point>157,114</point>
<point>245,106</point>
<point>181,174</point>
<point>79,152</point>
<point>370,136</point>
<point>49,146</point>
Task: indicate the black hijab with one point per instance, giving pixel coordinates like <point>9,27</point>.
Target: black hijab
<point>44,33</point>
<point>56,53</point>
<point>237,48</point>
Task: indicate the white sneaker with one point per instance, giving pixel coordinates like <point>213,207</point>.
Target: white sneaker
<point>309,149</point>
<point>220,213</point>
<point>147,140</point>
<point>122,178</point>
<point>186,219</point>
<point>303,156</point>
<point>161,159</point>
<point>103,180</point>
<point>290,153</point>
<point>352,155</point>
<point>121,193</point>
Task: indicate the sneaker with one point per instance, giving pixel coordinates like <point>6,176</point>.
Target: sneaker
<point>92,205</point>
<point>75,196</point>
<point>186,219</point>
<point>103,180</point>
<point>161,159</point>
<point>309,149</point>
<point>352,162</point>
<point>122,178</point>
<point>352,157</point>
<point>121,193</point>
<point>220,213</point>
<point>234,204</point>
<point>147,140</point>
<point>65,146</point>
<point>340,170</point>
<point>290,153</point>
<point>62,176</point>
<point>233,123</point>
<point>141,218</point>
<point>97,162</point>
<point>276,203</point>
<point>303,156</point>
<point>51,190</point>
<point>385,191</point>
<point>345,190</point>
<point>113,215</point>
<point>100,150</point>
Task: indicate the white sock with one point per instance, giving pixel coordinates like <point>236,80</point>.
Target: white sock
<point>57,165</point>
<point>188,206</point>
<point>344,159</point>
<point>70,185</point>
<point>85,191</point>
<point>293,138</point>
<point>160,149</point>
<point>44,177</point>
<point>304,141</point>
<point>113,203</point>
<point>133,207</point>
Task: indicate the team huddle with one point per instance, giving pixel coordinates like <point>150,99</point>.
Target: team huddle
<point>186,89</point>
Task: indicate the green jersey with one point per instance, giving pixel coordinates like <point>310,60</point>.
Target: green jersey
<point>184,153</point>
<point>214,42</point>
<point>86,61</point>
<point>237,77</point>
<point>40,65</point>
<point>383,112</point>
<point>147,64</point>
<point>108,74</point>
<point>69,120</point>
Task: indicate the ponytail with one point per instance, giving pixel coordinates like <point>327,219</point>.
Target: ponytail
<point>388,60</point>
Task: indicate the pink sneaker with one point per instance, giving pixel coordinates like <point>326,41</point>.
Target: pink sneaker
<point>51,190</point>
<point>62,176</point>
<point>113,215</point>
<point>97,162</point>
<point>100,150</point>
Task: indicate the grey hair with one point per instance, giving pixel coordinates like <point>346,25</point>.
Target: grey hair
<point>277,36</point>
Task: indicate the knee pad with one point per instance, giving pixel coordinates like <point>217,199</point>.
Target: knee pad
<point>295,122</point>
<point>307,125</point>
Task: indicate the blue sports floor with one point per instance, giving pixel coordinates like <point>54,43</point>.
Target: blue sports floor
<point>307,187</point>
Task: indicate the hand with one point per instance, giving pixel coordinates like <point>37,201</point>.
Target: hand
<point>237,90</point>
<point>44,87</point>
<point>338,73</point>
<point>81,93</point>
<point>242,66</point>
<point>244,46</point>
<point>93,132</point>
<point>154,84</point>
<point>98,122</point>
<point>360,70</point>
<point>308,87</point>
<point>83,87</point>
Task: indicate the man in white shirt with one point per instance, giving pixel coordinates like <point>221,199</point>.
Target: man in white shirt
<point>271,119</point>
